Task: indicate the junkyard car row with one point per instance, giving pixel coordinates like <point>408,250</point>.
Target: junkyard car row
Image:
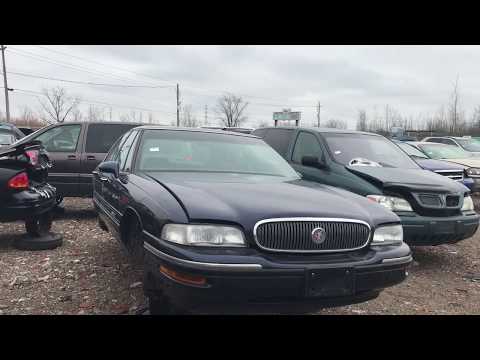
<point>284,217</point>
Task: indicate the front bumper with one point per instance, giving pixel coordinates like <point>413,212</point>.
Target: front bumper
<point>245,279</point>
<point>26,204</point>
<point>424,230</point>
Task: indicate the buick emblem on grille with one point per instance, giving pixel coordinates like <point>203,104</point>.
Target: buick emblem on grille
<point>319,235</point>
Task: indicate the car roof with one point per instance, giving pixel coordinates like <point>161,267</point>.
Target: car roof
<point>321,130</point>
<point>201,130</point>
<point>427,143</point>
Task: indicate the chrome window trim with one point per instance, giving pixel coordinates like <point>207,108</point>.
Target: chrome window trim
<point>201,265</point>
<point>305,219</point>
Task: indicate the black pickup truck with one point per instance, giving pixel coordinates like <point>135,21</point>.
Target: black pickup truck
<point>75,149</point>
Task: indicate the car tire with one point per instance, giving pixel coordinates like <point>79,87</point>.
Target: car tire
<point>47,242</point>
<point>40,225</point>
<point>134,241</point>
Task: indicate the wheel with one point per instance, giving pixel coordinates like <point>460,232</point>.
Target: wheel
<point>39,225</point>
<point>134,241</point>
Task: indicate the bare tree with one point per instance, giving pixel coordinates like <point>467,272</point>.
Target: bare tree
<point>95,113</point>
<point>58,105</point>
<point>362,121</point>
<point>335,123</point>
<point>454,108</point>
<point>133,116</point>
<point>77,114</point>
<point>187,119</point>
<point>230,110</point>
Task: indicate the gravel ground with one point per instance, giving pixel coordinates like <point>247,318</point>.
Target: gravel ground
<point>89,274</point>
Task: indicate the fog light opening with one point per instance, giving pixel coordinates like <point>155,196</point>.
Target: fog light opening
<point>187,279</point>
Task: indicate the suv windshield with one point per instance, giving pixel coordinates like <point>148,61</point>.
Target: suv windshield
<point>440,151</point>
<point>346,147</point>
<point>469,144</point>
<point>410,150</point>
<point>188,151</point>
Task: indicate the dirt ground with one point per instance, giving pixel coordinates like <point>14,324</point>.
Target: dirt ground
<point>89,274</point>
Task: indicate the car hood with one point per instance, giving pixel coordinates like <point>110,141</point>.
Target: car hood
<point>407,179</point>
<point>247,199</point>
<point>433,165</point>
<point>470,162</point>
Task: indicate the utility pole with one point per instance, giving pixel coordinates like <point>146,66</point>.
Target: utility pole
<point>178,106</point>
<point>7,105</point>
<point>206,114</point>
<point>318,114</point>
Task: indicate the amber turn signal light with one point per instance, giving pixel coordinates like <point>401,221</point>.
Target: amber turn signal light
<point>183,278</point>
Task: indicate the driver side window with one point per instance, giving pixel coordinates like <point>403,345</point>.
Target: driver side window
<point>307,145</point>
<point>61,139</point>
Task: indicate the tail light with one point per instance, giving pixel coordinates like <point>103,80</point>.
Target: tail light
<point>33,156</point>
<point>19,182</point>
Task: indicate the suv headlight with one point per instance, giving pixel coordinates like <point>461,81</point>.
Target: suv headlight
<point>392,203</point>
<point>203,235</point>
<point>473,172</point>
<point>468,204</point>
<point>388,235</point>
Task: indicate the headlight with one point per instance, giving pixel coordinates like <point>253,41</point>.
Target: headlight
<point>203,235</point>
<point>388,235</point>
<point>468,204</point>
<point>473,172</point>
<point>392,203</point>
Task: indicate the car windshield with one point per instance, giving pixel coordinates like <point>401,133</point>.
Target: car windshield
<point>439,151</point>
<point>410,150</point>
<point>346,147</point>
<point>469,144</point>
<point>189,151</point>
<point>6,139</point>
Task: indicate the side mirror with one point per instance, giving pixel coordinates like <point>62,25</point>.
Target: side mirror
<point>110,167</point>
<point>313,161</point>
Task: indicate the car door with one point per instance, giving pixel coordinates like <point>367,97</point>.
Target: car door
<point>113,190</point>
<point>307,144</point>
<point>99,139</point>
<point>63,145</point>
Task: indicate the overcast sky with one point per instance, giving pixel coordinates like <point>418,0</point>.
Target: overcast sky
<point>411,79</point>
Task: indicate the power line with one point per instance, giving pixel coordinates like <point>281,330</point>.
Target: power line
<point>217,91</point>
<point>88,82</point>
<point>95,62</point>
<point>69,66</point>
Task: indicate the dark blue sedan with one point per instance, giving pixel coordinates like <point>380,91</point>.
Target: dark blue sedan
<point>445,168</point>
<point>221,222</point>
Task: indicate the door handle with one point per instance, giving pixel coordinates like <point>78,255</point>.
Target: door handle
<point>71,157</point>
<point>91,157</point>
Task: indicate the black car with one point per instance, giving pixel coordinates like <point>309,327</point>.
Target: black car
<point>226,222</point>
<point>433,208</point>
<point>76,148</point>
<point>24,191</point>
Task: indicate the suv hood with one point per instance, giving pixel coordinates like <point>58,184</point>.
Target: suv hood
<point>408,179</point>
<point>247,199</point>
<point>431,164</point>
<point>470,162</point>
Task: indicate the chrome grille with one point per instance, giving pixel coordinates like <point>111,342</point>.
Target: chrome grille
<point>295,235</point>
<point>452,174</point>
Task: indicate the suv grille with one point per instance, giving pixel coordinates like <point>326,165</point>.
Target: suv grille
<point>452,174</point>
<point>438,201</point>
<point>295,235</point>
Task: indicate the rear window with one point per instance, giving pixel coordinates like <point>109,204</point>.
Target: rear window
<point>101,137</point>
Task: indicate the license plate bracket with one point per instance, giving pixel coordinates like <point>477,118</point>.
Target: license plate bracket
<point>331,282</point>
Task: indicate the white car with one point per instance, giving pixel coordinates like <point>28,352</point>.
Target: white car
<point>465,143</point>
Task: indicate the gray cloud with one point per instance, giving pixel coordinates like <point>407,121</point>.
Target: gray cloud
<point>411,79</point>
